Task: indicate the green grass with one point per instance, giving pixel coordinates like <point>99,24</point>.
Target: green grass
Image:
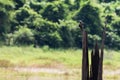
<point>45,57</point>
<point>38,57</point>
<point>112,59</point>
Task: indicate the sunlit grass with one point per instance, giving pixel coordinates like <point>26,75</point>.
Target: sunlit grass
<point>29,56</point>
<point>54,58</point>
<point>111,59</point>
<point>41,57</point>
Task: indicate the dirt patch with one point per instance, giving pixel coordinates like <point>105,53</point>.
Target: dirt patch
<point>5,63</point>
<point>49,70</point>
<point>59,74</point>
<point>62,71</point>
<point>112,72</point>
<point>41,70</point>
<point>48,64</point>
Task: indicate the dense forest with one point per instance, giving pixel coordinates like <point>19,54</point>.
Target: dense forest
<point>55,22</point>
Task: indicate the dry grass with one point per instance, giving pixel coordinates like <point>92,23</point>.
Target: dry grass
<point>50,58</point>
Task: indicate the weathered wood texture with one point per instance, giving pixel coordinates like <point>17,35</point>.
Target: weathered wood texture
<point>102,54</point>
<point>96,68</point>
<point>85,62</point>
<point>94,63</point>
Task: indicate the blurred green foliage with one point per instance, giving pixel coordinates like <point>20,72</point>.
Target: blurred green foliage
<point>55,22</point>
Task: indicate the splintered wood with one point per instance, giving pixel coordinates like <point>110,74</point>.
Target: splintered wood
<point>96,67</point>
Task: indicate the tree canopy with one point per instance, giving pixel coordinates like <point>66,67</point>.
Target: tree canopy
<point>55,22</point>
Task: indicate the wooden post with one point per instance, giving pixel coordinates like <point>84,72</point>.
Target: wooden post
<point>102,54</point>
<point>85,62</point>
<point>96,68</point>
<point>95,62</point>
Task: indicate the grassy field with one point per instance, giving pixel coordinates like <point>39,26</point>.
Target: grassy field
<point>45,57</point>
<point>39,57</point>
<point>11,57</point>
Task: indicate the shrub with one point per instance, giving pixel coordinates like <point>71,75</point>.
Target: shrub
<point>23,35</point>
<point>46,33</point>
<point>113,40</point>
<point>54,11</point>
<point>89,14</point>
<point>116,26</point>
<point>66,31</point>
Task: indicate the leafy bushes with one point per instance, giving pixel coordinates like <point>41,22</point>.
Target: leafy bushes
<point>66,29</point>
<point>46,33</point>
<point>54,22</point>
<point>107,1</point>
<point>90,16</point>
<point>23,36</point>
<point>116,27</point>
<point>113,40</point>
<point>54,11</point>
